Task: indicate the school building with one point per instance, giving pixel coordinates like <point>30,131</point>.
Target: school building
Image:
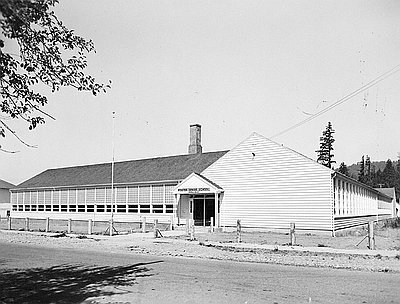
<point>260,182</point>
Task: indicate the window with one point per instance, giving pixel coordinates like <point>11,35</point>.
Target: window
<point>90,196</point>
<point>41,198</point>
<point>157,194</point>
<point>121,208</point>
<point>109,208</point>
<point>56,208</point>
<point>64,197</point>
<point>169,196</point>
<point>100,208</point>
<point>47,198</point>
<point>121,195</point>
<point>41,208</point>
<point>27,207</point>
<point>27,198</point>
<point>33,207</point>
<point>133,195</point>
<point>56,197</point>
<point>64,208</point>
<point>72,208</point>
<point>144,194</point>
<point>132,208</point>
<point>169,208</point>
<point>20,208</point>
<point>48,207</point>
<point>90,208</point>
<point>158,208</point>
<point>14,207</point>
<point>81,208</point>
<point>145,208</point>
<point>100,195</point>
<point>81,196</point>
<point>71,196</point>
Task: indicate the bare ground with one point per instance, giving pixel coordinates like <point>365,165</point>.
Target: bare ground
<point>178,246</point>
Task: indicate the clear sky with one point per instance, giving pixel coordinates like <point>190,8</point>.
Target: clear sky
<point>234,67</point>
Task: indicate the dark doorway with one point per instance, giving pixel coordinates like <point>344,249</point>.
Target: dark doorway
<point>203,210</point>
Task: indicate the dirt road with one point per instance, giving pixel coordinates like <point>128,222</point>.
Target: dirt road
<point>31,274</point>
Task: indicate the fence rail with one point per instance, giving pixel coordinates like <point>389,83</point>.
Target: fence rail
<point>78,226</point>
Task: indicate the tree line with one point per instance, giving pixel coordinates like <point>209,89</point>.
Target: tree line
<point>368,174</point>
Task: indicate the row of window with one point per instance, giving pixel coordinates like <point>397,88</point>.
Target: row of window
<point>118,208</point>
<point>145,194</point>
<point>350,199</point>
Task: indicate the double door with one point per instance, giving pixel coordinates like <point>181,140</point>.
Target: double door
<point>203,208</point>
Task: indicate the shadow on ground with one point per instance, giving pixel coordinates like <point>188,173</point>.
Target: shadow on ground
<point>67,283</point>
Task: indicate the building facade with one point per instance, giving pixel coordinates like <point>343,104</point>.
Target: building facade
<point>260,182</point>
<point>5,205</point>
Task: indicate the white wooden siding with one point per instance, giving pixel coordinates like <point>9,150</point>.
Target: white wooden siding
<point>268,185</point>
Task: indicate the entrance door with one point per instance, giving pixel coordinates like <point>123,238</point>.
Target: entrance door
<point>203,210</point>
<point>198,211</point>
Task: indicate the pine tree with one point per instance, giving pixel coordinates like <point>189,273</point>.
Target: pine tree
<point>389,174</point>
<point>367,171</point>
<point>343,169</point>
<point>325,156</point>
<point>361,171</point>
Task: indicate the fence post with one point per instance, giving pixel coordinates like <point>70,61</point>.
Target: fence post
<point>9,222</point>
<point>27,224</point>
<point>211,224</point>
<point>171,223</point>
<point>144,224</point>
<point>47,224</point>
<point>191,229</point>
<point>292,234</point>
<point>371,237</point>
<point>69,228</point>
<point>89,226</point>
<point>155,228</point>
<point>238,231</point>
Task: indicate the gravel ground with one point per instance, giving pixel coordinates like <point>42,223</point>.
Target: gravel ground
<point>178,246</point>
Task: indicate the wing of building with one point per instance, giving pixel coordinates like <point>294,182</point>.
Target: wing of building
<point>5,205</point>
<point>260,182</point>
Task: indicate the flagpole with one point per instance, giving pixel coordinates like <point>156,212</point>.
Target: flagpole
<point>112,176</point>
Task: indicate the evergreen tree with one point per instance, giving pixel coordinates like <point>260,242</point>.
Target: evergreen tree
<point>343,169</point>
<point>367,171</point>
<point>378,182</point>
<point>325,156</point>
<point>389,174</point>
<point>361,171</point>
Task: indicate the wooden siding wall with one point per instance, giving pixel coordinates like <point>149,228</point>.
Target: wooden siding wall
<point>84,203</point>
<point>268,185</point>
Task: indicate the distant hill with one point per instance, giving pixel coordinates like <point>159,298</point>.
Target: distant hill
<point>355,168</point>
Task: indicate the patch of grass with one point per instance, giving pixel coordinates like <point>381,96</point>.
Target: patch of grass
<point>392,223</point>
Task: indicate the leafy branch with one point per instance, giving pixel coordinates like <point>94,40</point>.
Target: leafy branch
<point>44,44</point>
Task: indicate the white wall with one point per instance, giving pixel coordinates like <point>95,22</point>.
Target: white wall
<point>273,187</point>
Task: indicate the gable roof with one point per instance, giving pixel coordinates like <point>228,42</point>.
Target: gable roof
<point>196,182</point>
<point>5,185</point>
<point>171,168</point>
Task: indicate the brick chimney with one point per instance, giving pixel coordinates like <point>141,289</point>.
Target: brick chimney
<point>195,139</point>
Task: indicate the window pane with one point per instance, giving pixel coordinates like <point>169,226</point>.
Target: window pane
<point>144,208</point>
<point>132,208</point>
<point>157,193</point>
<point>144,194</point>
